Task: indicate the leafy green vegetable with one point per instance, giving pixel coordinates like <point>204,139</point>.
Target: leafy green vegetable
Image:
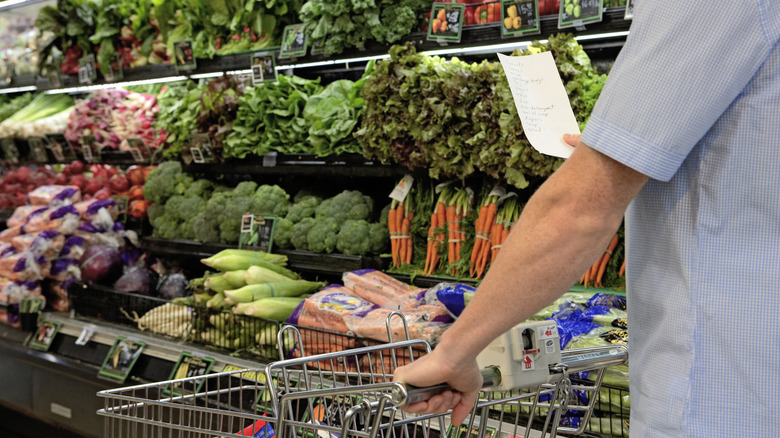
<point>332,116</point>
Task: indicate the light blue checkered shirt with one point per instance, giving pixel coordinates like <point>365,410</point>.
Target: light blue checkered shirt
<point>693,101</point>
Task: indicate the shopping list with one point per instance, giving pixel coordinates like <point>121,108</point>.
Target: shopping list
<point>541,101</point>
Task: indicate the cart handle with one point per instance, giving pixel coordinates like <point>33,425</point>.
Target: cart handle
<point>572,361</point>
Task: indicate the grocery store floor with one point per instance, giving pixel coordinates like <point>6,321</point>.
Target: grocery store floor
<point>16,425</point>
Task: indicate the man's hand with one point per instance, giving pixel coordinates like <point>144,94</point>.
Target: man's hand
<point>462,375</point>
<point>571,139</point>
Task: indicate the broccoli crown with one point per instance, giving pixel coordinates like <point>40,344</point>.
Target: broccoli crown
<point>305,207</point>
<point>349,204</point>
<point>323,235</point>
<point>190,207</point>
<point>183,183</point>
<point>161,182</point>
<point>166,227</point>
<point>217,204</point>
<point>186,229</point>
<point>230,226</point>
<point>245,189</point>
<point>270,200</point>
<point>154,211</point>
<point>299,234</point>
<point>173,206</point>
<point>303,193</point>
<point>384,215</point>
<point>282,233</point>
<point>353,238</point>
<point>379,236</point>
<point>201,187</point>
<point>206,228</point>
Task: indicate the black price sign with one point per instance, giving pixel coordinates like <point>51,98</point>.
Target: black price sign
<point>38,149</point>
<point>263,68</point>
<point>519,17</point>
<point>184,57</point>
<point>44,336</point>
<point>200,148</point>
<point>87,72</point>
<point>121,359</point>
<point>188,366</point>
<point>578,12</point>
<point>10,150</point>
<point>90,148</point>
<point>138,150</point>
<point>61,148</point>
<point>446,23</point>
<point>257,233</point>
<point>293,41</point>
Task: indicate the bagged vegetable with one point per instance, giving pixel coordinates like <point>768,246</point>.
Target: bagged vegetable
<point>73,247</point>
<point>424,322</point>
<point>9,233</point>
<point>22,267</point>
<point>62,269</point>
<point>89,209</point>
<point>64,219</point>
<point>454,297</point>
<point>47,243</point>
<point>326,309</point>
<point>21,214</point>
<point>380,288</point>
<point>54,195</point>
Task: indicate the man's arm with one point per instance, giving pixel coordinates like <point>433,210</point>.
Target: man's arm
<point>563,229</point>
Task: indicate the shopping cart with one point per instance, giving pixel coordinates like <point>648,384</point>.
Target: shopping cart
<point>350,394</point>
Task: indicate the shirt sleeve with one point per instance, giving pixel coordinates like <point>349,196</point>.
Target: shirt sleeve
<point>683,64</point>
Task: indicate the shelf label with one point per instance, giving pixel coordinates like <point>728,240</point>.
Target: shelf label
<point>263,68</point>
<point>257,233</point>
<point>269,159</point>
<point>90,148</point>
<point>8,144</point>
<point>6,72</point>
<point>401,190</point>
<point>44,336</point>
<point>575,13</point>
<point>629,10</point>
<point>200,148</point>
<point>61,148</point>
<point>86,335</point>
<point>121,358</point>
<point>115,72</point>
<point>184,58</point>
<point>187,366</point>
<point>293,41</point>
<point>519,17</point>
<point>446,23</point>
<point>138,149</point>
<point>87,72</point>
<point>38,149</point>
<point>317,48</point>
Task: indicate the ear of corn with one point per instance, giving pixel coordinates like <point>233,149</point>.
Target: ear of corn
<point>260,274</point>
<point>236,278</point>
<point>217,283</point>
<point>290,288</point>
<point>234,259</point>
<point>274,308</point>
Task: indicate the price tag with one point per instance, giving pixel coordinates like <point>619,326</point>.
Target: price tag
<point>121,358</point>
<point>87,72</point>
<point>138,149</point>
<point>575,13</point>
<point>293,41</point>
<point>446,23</point>
<point>317,48</point>
<point>200,147</point>
<point>61,148</point>
<point>187,366</point>
<point>184,57</point>
<point>86,335</point>
<point>629,10</point>
<point>6,72</point>
<point>115,72</point>
<point>10,150</point>
<point>122,203</point>
<point>90,148</point>
<point>519,17</point>
<point>257,233</point>
<point>38,149</point>
<point>269,159</point>
<point>44,336</point>
<point>263,68</point>
<point>401,190</point>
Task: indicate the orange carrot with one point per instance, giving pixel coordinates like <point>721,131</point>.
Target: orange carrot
<point>496,242</point>
<point>406,256</point>
<point>430,248</point>
<point>450,233</point>
<point>605,259</point>
<point>478,226</point>
<point>391,223</point>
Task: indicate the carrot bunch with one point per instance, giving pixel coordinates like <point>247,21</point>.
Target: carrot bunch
<point>482,228</point>
<point>506,218</point>
<point>595,273</point>
<point>399,222</point>
<point>457,209</point>
<point>445,231</point>
<point>436,233</point>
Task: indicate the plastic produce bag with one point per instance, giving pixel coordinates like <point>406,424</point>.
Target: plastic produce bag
<point>380,288</point>
<point>54,195</point>
<point>326,309</point>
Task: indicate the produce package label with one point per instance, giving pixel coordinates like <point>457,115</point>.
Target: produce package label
<point>541,101</point>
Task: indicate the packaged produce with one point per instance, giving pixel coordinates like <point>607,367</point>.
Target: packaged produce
<point>379,288</point>
<point>53,194</point>
<point>424,322</point>
<point>326,309</point>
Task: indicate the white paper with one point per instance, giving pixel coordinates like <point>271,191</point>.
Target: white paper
<point>541,101</point>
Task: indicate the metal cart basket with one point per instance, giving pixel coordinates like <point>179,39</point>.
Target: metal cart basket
<point>348,394</point>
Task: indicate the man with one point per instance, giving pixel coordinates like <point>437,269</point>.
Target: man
<point>683,141</point>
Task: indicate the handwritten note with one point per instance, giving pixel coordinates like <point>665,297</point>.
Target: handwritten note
<point>541,101</point>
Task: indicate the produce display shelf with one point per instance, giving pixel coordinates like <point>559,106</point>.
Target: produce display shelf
<point>296,260</point>
<point>473,36</point>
